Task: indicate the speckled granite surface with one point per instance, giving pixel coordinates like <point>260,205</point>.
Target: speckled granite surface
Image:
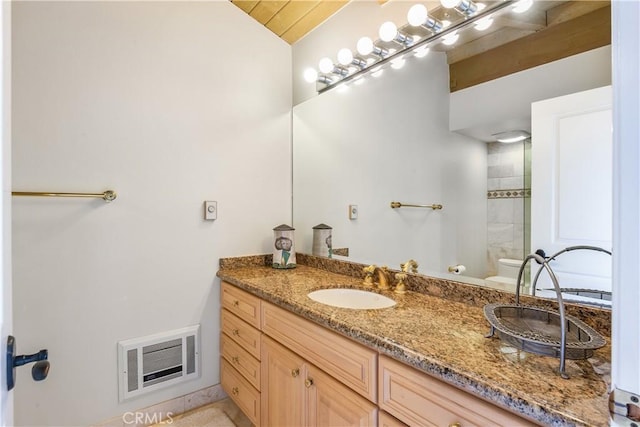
<point>443,335</point>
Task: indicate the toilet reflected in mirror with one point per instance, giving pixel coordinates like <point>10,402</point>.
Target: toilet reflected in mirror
<point>507,275</point>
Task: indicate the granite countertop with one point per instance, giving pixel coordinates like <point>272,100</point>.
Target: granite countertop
<point>444,338</point>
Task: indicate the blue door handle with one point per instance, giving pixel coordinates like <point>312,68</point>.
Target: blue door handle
<point>39,371</point>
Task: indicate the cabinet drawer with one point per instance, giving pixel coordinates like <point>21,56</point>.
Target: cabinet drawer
<point>242,333</point>
<point>241,360</point>
<point>348,362</point>
<point>386,420</point>
<point>243,394</point>
<point>242,304</point>
<point>421,400</point>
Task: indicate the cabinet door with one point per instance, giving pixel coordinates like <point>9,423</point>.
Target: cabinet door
<point>283,390</point>
<point>331,404</point>
<point>418,399</point>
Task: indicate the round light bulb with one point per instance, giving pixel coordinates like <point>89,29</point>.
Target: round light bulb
<point>345,56</point>
<point>449,3</point>
<point>365,46</point>
<point>377,72</point>
<point>310,75</point>
<point>522,6</point>
<point>484,23</point>
<point>417,15</point>
<point>398,63</point>
<point>326,65</point>
<point>388,31</point>
<point>421,52</point>
<point>450,39</point>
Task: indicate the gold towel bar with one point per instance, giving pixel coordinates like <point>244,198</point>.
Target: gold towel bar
<point>395,205</point>
<point>107,196</point>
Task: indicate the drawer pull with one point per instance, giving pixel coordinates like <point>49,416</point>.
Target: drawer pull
<point>295,372</point>
<point>235,332</point>
<point>308,382</point>
<point>456,424</point>
<point>236,303</point>
<point>235,391</point>
<point>235,359</point>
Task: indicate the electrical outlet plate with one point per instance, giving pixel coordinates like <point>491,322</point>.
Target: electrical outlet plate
<point>353,211</point>
<point>210,210</point>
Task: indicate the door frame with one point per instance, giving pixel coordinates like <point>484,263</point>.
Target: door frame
<point>626,196</point>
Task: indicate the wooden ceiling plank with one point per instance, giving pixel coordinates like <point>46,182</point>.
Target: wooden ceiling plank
<point>245,5</point>
<point>265,10</point>
<point>290,14</point>
<point>578,35</point>
<point>572,9</point>
<point>486,43</point>
<point>319,14</point>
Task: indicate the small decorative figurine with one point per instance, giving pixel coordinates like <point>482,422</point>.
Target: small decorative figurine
<point>284,253</point>
<point>322,241</point>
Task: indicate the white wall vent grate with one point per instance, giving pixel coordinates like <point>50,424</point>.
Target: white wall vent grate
<point>149,363</point>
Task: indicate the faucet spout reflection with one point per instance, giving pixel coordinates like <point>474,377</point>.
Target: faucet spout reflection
<point>383,276</point>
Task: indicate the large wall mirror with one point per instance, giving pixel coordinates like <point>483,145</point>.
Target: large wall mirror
<point>404,137</point>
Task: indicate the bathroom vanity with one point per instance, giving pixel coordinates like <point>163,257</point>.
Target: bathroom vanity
<point>288,360</point>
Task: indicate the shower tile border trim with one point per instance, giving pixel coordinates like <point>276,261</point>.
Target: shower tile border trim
<point>517,193</point>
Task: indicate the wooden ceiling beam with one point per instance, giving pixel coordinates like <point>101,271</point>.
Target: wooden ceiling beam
<point>564,39</point>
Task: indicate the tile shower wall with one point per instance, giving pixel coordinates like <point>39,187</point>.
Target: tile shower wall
<point>508,202</point>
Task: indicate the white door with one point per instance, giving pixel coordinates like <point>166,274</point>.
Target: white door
<point>6,398</point>
<point>626,203</point>
<point>571,187</point>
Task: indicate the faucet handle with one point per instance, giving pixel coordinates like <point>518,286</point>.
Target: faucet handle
<point>400,286</point>
<point>410,266</point>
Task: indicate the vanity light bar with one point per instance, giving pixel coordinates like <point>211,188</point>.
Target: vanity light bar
<point>434,37</point>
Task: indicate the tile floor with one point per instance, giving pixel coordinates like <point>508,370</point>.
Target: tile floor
<point>223,413</point>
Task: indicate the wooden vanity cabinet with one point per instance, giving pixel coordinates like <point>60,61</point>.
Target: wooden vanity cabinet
<point>342,358</point>
<point>418,399</point>
<point>284,370</point>
<point>297,393</point>
<point>240,350</point>
<point>386,420</point>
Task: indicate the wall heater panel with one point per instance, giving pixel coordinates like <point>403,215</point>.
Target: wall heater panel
<point>157,361</point>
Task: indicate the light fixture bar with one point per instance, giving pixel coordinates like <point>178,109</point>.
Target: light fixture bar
<point>434,37</point>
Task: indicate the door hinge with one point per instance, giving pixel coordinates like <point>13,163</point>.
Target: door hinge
<point>624,408</point>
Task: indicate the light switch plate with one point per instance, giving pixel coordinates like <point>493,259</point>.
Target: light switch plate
<point>353,211</point>
<point>210,210</point>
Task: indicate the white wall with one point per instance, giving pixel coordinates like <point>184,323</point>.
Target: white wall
<point>506,102</point>
<point>388,140</point>
<point>160,102</point>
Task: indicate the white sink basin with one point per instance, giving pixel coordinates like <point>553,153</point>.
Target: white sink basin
<point>351,298</point>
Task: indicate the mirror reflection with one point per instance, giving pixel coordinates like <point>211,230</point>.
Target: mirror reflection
<point>403,137</point>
